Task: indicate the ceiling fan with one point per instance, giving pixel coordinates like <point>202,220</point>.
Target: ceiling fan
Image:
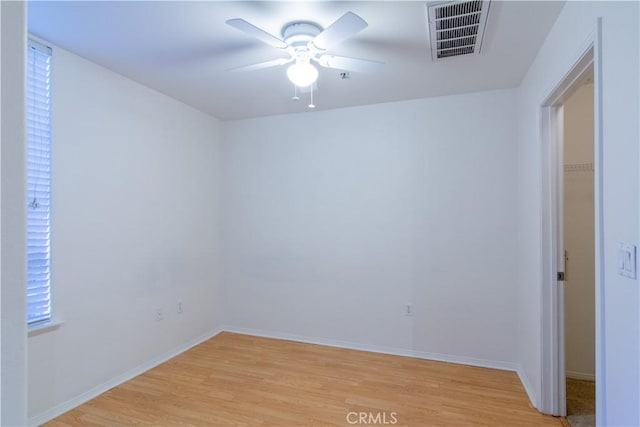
<point>308,43</point>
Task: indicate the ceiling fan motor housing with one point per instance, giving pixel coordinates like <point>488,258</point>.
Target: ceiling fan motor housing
<point>298,34</point>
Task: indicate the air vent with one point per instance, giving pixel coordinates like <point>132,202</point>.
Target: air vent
<point>456,28</point>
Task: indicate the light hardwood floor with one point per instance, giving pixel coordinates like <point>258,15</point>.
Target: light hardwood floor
<point>235,379</point>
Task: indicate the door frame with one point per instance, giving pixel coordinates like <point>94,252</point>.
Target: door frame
<point>553,393</point>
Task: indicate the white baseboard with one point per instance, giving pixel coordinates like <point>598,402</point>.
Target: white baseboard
<point>580,376</point>
<point>60,409</point>
<point>462,360</point>
<point>524,379</point>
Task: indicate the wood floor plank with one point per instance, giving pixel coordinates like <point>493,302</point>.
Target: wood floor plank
<point>241,380</point>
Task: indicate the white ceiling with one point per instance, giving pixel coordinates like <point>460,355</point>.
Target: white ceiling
<point>184,50</point>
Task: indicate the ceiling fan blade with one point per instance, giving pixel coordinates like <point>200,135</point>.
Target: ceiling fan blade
<point>253,31</point>
<point>350,64</point>
<point>261,65</point>
<point>346,26</point>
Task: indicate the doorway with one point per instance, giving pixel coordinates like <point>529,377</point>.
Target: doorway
<point>578,229</point>
<point>586,65</point>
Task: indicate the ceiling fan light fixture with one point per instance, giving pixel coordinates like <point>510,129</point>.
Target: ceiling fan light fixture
<point>302,73</point>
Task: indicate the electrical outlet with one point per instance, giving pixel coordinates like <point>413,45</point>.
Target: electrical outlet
<point>159,315</point>
<point>408,310</point>
<point>179,307</point>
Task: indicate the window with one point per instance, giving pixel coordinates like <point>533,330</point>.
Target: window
<point>38,184</point>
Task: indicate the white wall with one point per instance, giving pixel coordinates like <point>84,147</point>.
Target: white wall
<point>1,217</point>
<point>13,384</point>
<point>135,228</point>
<point>619,402</point>
<point>335,220</point>
<point>579,237</point>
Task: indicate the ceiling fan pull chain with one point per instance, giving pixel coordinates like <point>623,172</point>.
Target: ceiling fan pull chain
<point>311,105</point>
<point>295,93</point>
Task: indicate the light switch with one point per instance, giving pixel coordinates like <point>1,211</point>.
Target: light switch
<point>627,260</point>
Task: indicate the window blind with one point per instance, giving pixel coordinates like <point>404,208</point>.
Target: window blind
<point>38,184</point>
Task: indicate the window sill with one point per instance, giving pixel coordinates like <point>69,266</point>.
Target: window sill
<point>41,328</point>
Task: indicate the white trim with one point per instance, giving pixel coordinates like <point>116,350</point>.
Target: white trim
<point>60,409</point>
<point>462,360</point>
<point>42,327</point>
<point>524,379</point>
<point>581,376</point>
<point>601,409</point>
